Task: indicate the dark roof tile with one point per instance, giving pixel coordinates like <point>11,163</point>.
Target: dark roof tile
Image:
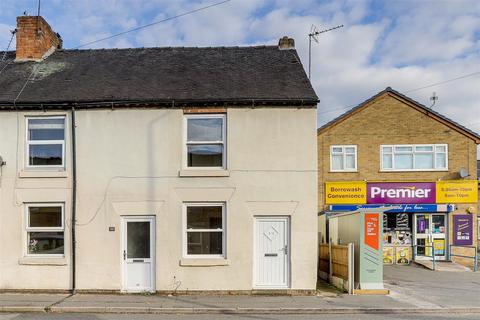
<point>208,75</point>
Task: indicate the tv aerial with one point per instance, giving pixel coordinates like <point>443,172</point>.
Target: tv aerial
<point>434,99</point>
<point>314,32</point>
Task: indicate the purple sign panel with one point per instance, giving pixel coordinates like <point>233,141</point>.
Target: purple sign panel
<point>401,192</point>
<point>463,230</point>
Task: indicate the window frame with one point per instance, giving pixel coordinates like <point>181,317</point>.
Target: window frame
<point>29,142</point>
<point>185,231</point>
<point>223,143</point>
<point>29,229</point>
<point>413,146</point>
<point>344,157</point>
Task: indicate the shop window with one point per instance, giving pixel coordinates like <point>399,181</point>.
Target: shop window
<point>45,142</point>
<point>204,230</point>
<point>343,158</point>
<point>45,230</point>
<point>205,141</point>
<point>414,157</point>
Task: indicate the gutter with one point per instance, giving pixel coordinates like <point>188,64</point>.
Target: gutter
<point>74,199</point>
<point>170,103</point>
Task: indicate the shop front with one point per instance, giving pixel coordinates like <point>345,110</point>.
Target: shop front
<point>420,219</point>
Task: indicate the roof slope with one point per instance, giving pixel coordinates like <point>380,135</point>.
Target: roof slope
<point>186,75</point>
<point>471,134</point>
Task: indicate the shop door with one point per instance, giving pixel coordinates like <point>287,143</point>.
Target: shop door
<point>271,252</point>
<point>439,241</point>
<point>138,254</point>
<point>430,230</point>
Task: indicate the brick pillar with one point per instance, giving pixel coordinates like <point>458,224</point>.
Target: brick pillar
<point>34,38</point>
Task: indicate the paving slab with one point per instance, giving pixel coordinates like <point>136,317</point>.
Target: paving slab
<point>29,300</point>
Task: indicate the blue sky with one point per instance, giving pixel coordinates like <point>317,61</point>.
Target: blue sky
<point>403,44</point>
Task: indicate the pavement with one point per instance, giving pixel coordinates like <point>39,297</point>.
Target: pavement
<point>425,288</point>
<point>413,289</point>
<point>107,316</point>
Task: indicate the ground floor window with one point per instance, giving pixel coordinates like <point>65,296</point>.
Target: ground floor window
<point>414,235</point>
<point>45,229</point>
<point>204,234</point>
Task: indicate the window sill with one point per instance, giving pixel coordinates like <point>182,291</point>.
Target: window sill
<point>415,170</point>
<point>43,261</point>
<point>343,171</point>
<point>204,173</point>
<point>42,174</point>
<point>194,262</point>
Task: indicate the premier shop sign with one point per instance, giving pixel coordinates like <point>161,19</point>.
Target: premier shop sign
<point>362,192</point>
<point>401,192</point>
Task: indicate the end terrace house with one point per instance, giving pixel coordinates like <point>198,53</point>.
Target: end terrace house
<point>392,152</point>
<point>156,169</point>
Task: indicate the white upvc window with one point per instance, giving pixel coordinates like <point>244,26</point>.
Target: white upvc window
<point>45,142</point>
<point>204,230</point>
<point>45,230</point>
<point>414,157</point>
<point>205,141</point>
<point>343,158</point>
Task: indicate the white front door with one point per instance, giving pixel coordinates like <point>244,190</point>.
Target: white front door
<point>271,263</point>
<point>430,231</point>
<point>138,254</point>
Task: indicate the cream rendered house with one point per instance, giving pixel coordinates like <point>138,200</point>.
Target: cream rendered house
<point>160,169</point>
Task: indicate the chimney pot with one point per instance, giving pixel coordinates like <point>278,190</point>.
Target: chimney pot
<point>286,43</point>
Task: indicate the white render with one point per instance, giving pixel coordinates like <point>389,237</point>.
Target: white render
<point>130,163</point>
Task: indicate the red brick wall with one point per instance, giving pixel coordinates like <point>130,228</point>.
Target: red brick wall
<point>32,45</point>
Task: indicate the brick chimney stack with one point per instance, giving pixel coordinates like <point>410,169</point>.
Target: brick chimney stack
<point>35,38</point>
<point>286,43</point>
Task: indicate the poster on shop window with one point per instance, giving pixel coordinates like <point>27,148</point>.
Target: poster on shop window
<point>463,230</point>
<point>439,247</point>
<point>387,255</point>
<point>402,255</point>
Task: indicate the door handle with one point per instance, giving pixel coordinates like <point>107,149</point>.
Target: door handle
<point>271,254</point>
<point>124,255</point>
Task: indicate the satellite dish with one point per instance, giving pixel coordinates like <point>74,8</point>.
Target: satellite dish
<point>463,173</point>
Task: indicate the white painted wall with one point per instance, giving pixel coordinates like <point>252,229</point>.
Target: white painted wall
<point>128,163</point>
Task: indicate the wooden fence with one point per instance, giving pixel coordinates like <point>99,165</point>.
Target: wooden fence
<point>339,263</point>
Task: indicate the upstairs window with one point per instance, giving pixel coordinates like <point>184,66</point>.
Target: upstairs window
<point>45,230</point>
<point>205,141</point>
<point>343,158</point>
<point>45,142</point>
<point>416,157</point>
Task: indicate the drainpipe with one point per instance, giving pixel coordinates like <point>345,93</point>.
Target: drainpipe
<point>74,200</point>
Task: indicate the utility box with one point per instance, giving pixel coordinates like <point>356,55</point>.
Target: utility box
<point>365,231</point>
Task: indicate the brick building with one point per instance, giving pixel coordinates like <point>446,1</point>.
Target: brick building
<point>391,151</point>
